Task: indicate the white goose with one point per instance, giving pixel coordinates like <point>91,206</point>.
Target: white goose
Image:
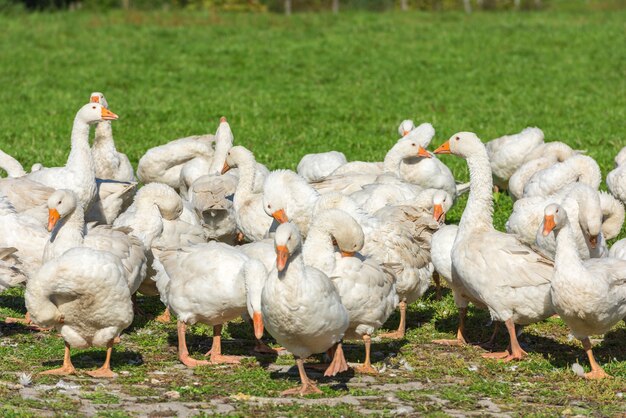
<point>367,291</point>
<point>583,205</point>
<point>507,153</point>
<point>612,215</point>
<point>315,167</point>
<point>251,219</point>
<point>590,295</point>
<point>301,307</point>
<point>24,233</point>
<point>109,163</point>
<point>212,293</point>
<point>84,295</point>
<point>67,226</point>
<point>544,156</point>
<point>616,179</point>
<point>199,167</point>
<point>579,168</point>
<point>348,180</point>
<point>288,197</point>
<point>78,174</point>
<point>496,269</point>
<point>163,164</point>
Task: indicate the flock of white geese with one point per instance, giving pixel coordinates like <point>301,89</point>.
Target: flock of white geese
<point>315,257</point>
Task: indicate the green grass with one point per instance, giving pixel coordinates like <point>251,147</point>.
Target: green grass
<point>307,84</point>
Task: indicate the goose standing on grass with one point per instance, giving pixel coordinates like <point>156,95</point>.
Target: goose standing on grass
<point>301,307</point>
<point>79,173</point>
<point>367,291</point>
<point>616,179</point>
<point>84,295</point>
<point>109,163</point>
<point>496,269</point>
<point>589,295</point>
<point>251,219</point>
<point>210,292</point>
<point>315,167</point>
<point>507,153</point>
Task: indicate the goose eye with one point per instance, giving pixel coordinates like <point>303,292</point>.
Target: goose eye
<point>557,211</point>
<point>269,206</point>
<point>412,145</point>
<point>93,107</point>
<point>457,138</point>
<point>59,202</point>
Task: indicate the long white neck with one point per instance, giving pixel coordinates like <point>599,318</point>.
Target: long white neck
<point>294,272</point>
<point>245,185</point>
<point>80,160</point>
<point>318,250</point>
<point>612,215</point>
<point>219,157</point>
<point>478,214</point>
<point>68,233</point>
<point>391,163</point>
<point>566,260</point>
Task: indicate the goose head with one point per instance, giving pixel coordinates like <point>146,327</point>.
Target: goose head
<point>405,128</point>
<point>462,144</point>
<point>61,203</point>
<point>407,148</point>
<point>423,134</point>
<point>286,194</point>
<point>255,275</point>
<point>287,241</point>
<point>162,196</point>
<point>224,133</point>
<point>97,97</point>
<point>442,202</point>
<point>554,218</point>
<point>347,234</point>
<point>92,113</point>
<point>236,156</point>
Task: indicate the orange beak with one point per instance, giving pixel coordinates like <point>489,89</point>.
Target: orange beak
<point>443,148</point>
<point>438,213</point>
<point>257,321</point>
<point>282,255</point>
<point>108,115</point>
<point>94,99</point>
<point>548,224</point>
<point>423,153</point>
<point>405,133</point>
<point>53,218</point>
<point>347,253</point>
<point>280,216</point>
<point>593,241</point>
<point>225,168</point>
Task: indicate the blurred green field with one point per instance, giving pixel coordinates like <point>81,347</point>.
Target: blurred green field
<point>312,83</point>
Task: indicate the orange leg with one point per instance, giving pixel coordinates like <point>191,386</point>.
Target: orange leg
<point>514,352</point>
<point>183,353</point>
<point>216,349</point>
<point>460,333</point>
<point>399,334</point>
<point>437,281</point>
<point>66,368</point>
<point>367,365</point>
<point>596,371</point>
<point>105,370</point>
<point>339,364</point>
<point>308,386</point>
